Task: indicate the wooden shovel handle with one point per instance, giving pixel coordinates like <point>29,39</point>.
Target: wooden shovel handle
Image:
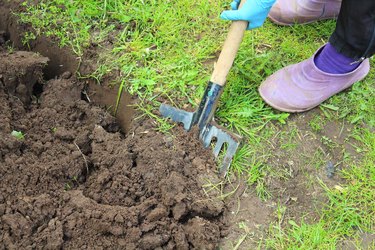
<point>229,51</point>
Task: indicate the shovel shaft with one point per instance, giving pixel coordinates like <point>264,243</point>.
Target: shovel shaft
<point>229,51</point>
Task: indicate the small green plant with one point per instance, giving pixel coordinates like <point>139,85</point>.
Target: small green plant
<point>289,138</point>
<point>67,186</point>
<point>10,48</point>
<point>71,183</point>
<point>328,142</point>
<point>317,123</point>
<point>18,134</point>
<point>27,37</point>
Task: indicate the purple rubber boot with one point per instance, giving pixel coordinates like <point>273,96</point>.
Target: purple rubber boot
<point>303,86</point>
<point>289,12</point>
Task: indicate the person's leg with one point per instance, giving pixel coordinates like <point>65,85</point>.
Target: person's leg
<point>353,38</point>
<point>333,68</point>
<point>289,12</point>
<point>354,35</point>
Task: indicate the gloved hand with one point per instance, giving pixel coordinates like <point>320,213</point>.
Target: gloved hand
<point>253,11</point>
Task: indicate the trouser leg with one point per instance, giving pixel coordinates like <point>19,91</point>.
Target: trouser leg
<point>354,35</point>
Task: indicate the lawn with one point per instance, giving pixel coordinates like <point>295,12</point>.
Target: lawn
<point>165,51</point>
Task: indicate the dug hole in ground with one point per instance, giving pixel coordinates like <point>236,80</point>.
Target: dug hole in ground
<point>75,177</point>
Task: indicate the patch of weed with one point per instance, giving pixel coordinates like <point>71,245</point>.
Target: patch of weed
<point>317,123</point>
<point>19,135</point>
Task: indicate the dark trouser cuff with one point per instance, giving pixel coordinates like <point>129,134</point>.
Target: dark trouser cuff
<point>342,47</point>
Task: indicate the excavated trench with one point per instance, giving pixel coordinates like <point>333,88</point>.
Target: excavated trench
<point>80,178</point>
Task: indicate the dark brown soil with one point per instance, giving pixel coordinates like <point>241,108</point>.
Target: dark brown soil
<point>76,181</point>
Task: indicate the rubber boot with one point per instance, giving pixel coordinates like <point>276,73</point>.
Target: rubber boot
<point>303,86</point>
<point>289,12</point>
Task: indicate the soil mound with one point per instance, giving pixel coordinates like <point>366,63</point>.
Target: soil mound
<point>76,181</point>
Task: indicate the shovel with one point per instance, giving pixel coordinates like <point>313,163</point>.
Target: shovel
<point>203,117</point>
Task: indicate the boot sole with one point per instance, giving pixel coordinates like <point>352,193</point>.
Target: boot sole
<point>291,24</point>
<point>283,109</point>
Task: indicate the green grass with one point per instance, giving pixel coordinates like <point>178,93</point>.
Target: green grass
<point>349,212</point>
<point>317,123</point>
<point>166,49</point>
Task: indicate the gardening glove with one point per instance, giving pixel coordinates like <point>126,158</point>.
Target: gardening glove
<point>253,11</point>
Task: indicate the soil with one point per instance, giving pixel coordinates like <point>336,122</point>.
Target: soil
<point>77,181</point>
<point>298,167</point>
<point>298,164</point>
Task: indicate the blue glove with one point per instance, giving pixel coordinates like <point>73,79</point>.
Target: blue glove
<point>253,11</point>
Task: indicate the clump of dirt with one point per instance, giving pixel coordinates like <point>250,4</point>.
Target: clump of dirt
<point>76,181</point>
<point>21,81</point>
